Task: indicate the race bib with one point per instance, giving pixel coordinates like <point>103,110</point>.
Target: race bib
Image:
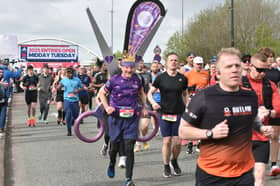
<point>71,95</point>
<point>169,117</point>
<point>32,87</point>
<point>126,112</point>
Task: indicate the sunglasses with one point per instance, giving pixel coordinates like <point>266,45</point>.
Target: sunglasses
<point>260,70</point>
<point>247,61</point>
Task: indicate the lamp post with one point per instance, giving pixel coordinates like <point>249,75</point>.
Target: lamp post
<point>182,4</point>
<point>112,24</point>
<point>232,24</point>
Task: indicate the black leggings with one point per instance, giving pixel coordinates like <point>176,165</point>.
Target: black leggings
<point>127,145</point>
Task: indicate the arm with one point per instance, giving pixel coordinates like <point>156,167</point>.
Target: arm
<point>185,96</point>
<point>104,101</point>
<point>259,127</point>
<point>187,131</point>
<point>16,74</point>
<point>275,102</point>
<point>155,105</point>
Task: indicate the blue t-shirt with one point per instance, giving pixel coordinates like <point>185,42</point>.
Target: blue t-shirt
<point>156,94</point>
<point>85,79</point>
<point>70,85</point>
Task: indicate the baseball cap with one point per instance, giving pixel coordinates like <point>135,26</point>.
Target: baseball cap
<point>198,60</point>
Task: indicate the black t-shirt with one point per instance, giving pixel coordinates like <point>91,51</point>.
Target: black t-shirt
<point>100,78</point>
<point>30,81</point>
<point>147,79</point>
<point>171,89</point>
<point>273,75</point>
<point>212,106</point>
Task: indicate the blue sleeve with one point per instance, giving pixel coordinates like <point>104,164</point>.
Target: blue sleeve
<point>15,74</point>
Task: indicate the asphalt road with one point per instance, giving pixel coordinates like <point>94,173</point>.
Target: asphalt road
<point>45,156</point>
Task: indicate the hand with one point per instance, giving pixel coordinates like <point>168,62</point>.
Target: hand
<point>85,88</point>
<point>156,106</point>
<point>262,113</point>
<point>267,131</point>
<point>110,110</point>
<point>23,88</point>
<point>221,130</point>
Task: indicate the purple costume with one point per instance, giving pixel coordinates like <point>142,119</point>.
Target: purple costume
<point>123,93</point>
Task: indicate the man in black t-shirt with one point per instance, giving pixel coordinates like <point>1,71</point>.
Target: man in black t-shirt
<point>29,85</point>
<point>172,86</point>
<point>222,117</point>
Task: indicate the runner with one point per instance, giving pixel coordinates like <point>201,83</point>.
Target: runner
<point>222,116</point>
<point>198,79</point>
<point>269,106</point>
<point>144,121</point>
<point>124,91</point>
<point>84,95</point>
<point>72,86</point>
<point>100,79</point>
<point>29,85</point>
<point>212,71</point>
<point>44,87</point>
<point>273,75</point>
<point>245,65</point>
<point>172,86</point>
<point>189,63</point>
<point>59,96</point>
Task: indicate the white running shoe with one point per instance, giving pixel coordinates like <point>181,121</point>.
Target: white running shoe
<point>122,161</point>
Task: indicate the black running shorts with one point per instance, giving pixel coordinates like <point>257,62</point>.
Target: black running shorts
<point>261,151</point>
<point>31,97</point>
<point>84,99</point>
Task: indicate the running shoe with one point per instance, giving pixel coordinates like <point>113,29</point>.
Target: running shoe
<point>33,122</point>
<point>146,146</point>
<point>59,121</point>
<point>69,133</point>
<point>29,122</point>
<point>176,168</point>
<point>64,122</point>
<point>122,160</point>
<point>111,171</point>
<point>129,182</point>
<point>104,149</point>
<point>190,148</point>
<point>275,170</point>
<point>137,148</point>
<point>46,122</point>
<point>167,172</point>
<point>40,117</point>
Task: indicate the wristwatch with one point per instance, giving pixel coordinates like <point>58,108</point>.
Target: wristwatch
<point>209,134</point>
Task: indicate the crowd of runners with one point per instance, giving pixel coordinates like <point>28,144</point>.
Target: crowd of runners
<point>227,109</point>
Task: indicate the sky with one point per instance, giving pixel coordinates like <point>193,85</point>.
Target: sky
<point>67,19</point>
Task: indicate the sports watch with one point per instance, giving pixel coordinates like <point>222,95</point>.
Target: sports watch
<point>209,134</point>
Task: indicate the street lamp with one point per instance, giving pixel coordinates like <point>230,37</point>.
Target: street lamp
<point>182,4</point>
<point>112,25</point>
<point>232,24</point>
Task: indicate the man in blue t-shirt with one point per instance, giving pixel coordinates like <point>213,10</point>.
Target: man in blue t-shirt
<point>72,86</point>
<point>84,94</point>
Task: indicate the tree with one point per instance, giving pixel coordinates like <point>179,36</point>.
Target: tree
<point>256,25</point>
